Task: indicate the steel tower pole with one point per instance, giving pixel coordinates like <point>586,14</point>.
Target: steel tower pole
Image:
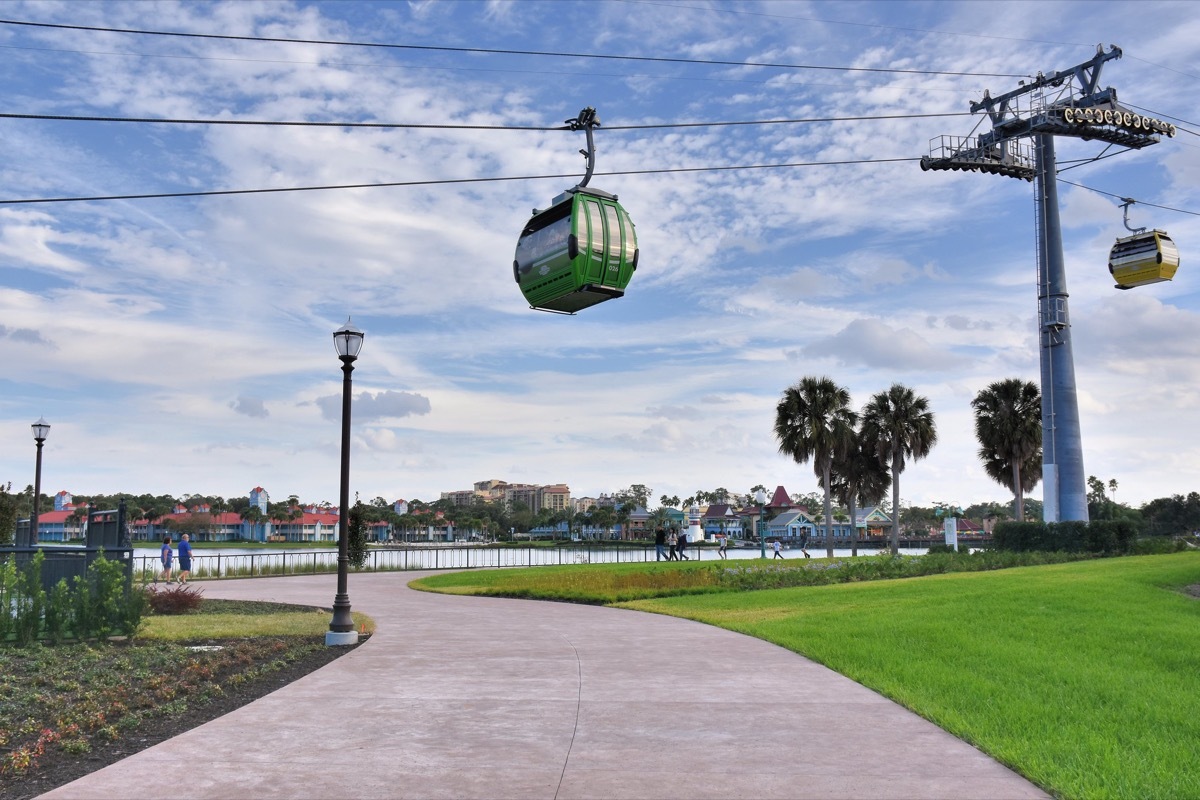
<point>1063,479</point>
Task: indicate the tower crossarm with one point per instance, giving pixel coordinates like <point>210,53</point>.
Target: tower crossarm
<point>1063,103</point>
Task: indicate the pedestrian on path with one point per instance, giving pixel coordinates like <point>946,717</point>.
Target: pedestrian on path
<point>683,546</point>
<point>722,543</point>
<point>673,543</point>
<point>167,559</point>
<point>185,559</point>
<point>660,544</point>
<point>778,549</point>
<point>804,546</point>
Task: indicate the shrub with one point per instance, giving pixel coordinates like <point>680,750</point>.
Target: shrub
<point>174,599</point>
<point>1020,537</point>
<point>30,601</point>
<point>1106,537</point>
<point>8,588</point>
<point>58,612</point>
<point>1157,545</point>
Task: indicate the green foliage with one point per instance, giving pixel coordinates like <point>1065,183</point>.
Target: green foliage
<point>97,604</point>
<point>30,601</point>
<point>8,591</point>
<point>612,583</point>
<point>9,504</point>
<point>356,543</point>
<point>1103,537</point>
<point>173,599</point>
<point>1158,545</point>
<point>58,612</point>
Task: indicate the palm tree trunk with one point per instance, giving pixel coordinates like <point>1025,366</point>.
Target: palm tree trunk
<point>853,528</point>
<point>895,500</point>
<point>828,516</point>
<point>1019,503</point>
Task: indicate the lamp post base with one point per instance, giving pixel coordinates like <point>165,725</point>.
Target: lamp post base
<point>340,638</point>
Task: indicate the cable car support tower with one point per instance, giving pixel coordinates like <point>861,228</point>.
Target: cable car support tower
<point>1021,145</point>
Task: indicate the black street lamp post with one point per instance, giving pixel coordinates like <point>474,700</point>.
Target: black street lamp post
<point>347,340</point>
<point>41,429</point>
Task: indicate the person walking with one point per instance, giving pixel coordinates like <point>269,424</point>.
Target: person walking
<point>185,559</point>
<point>673,543</point>
<point>804,545</point>
<point>683,546</point>
<point>165,556</point>
<point>722,544</point>
<point>660,544</point>
<point>778,549</point>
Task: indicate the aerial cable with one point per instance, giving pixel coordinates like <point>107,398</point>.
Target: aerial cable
<point>492,51</point>
<point>449,126</point>
<point>1139,202</point>
<point>279,190</point>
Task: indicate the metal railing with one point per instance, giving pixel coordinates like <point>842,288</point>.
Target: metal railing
<point>393,559</point>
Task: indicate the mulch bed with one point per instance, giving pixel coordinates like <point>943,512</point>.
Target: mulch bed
<point>57,768</point>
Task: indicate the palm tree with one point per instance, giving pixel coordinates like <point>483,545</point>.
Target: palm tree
<point>899,424</point>
<point>859,477</point>
<point>813,420</point>
<point>622,518</point>
<point>254,516</point>
<point>1008,427</point>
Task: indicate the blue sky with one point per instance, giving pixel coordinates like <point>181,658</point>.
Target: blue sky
<point>184,345</point>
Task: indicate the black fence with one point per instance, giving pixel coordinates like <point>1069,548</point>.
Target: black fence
<point>107,533</point>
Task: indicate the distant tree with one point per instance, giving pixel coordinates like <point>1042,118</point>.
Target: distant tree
<point>603,518</point>
<point>254,516</point>
<point>814,422</point>
<point>356,540</point>
<point>622,518</point>
<point>1173,516</point>
<point>8,514</point>
<point>1008,427</point>
<point>719,495</point>
<point>637,495</point>
<point>859,479</point>
<point>899,425</point>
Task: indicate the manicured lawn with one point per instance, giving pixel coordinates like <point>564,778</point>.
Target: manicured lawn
<point>1084,677</point>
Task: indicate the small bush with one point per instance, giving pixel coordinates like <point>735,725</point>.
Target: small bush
<point>174,599</point>
<point>58,612</point>
<point>1157,545</point>
<point>30,601</point>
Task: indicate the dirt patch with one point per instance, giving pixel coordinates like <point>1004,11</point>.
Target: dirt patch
<point>57,768</point>
<point>1193,590</point>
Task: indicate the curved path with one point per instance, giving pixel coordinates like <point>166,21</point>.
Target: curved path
<point>471,697</point>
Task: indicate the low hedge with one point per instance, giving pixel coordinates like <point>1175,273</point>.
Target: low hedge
<point>1103,536</point>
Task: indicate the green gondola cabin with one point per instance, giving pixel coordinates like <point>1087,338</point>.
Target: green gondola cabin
<point>580,251</point>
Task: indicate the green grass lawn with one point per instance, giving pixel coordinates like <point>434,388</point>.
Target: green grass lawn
<point>1084,677</point>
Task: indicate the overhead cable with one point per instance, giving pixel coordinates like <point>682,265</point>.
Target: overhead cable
<point>494,51</point>
<point>1124,197</point>
<point>573,175</point>
<point>449,126</point>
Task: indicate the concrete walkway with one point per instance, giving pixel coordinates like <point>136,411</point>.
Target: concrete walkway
<point>467,697</point>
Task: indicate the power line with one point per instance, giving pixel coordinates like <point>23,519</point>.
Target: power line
<point>495,51</point>
<point>1139,202</point>
<point>450,126</point>
<point>221,192</point>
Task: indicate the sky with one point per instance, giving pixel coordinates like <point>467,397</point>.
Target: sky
<point>183,345</point>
